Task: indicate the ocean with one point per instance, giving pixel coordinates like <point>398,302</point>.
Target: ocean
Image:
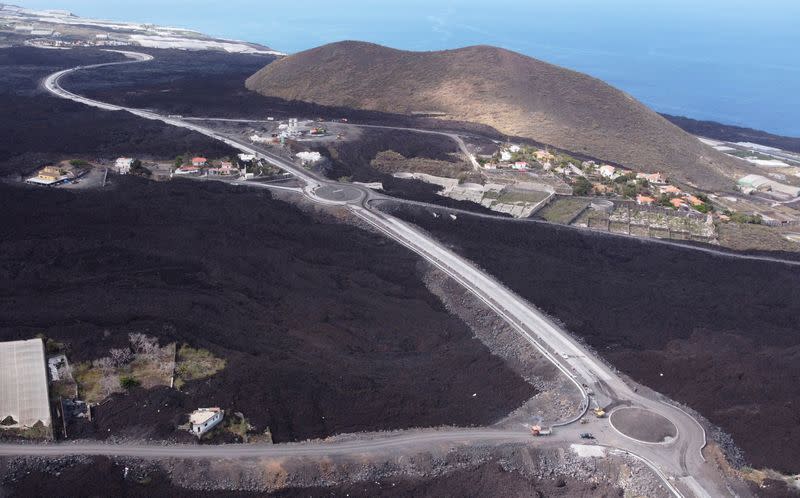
<point>732,61</point>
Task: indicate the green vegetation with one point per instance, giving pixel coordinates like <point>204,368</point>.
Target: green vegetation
<point>582,186</point>
<point>345,179</point>
<point>744,154</point>
<point>703,208</point>
<point>89,382</point>
<point>78,162</point>
<point>630,190</point>
<point>237,425</point>
<point>563,209</point>
<point>754,219</point>
<point>515,196</point>
<point>144,364</point>
<point>565,159</point>
<point>178,161</point>
<point>195,364</point>
<point>127,382</point>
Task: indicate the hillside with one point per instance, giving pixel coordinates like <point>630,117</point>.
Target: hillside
<point>513,93</point>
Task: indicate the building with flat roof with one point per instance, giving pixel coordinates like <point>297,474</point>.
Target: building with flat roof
<point>203,420</point>
<point>23,384</point>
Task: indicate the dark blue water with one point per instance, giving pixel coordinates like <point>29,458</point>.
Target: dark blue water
<point>733,61</point>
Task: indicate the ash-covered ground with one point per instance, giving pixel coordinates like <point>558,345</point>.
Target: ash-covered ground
<point>211,84</point>
<point>716,333</point>
<point>326,328</point>
<point>109,478</point>
<point>38,128</point>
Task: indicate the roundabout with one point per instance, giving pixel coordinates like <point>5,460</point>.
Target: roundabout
<point>643,425</point>
<point>339,193</point>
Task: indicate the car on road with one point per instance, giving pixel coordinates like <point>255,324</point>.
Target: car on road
<point>587,435</point>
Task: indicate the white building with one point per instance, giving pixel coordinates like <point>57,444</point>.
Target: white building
<point>256,138</point>
<point>23,384</point>
<point>123,165</point>
<point>309,157</point>
<point>203,420</point>
<point>607,171</point>
<point>246,158</point>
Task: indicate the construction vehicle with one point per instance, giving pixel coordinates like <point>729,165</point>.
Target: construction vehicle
<point>599,412</point>
<point>537,430</point>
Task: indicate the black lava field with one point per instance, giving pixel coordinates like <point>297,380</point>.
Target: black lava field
<point>718,334</point>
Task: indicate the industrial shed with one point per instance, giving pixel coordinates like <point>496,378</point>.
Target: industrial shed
<point>23,384</point>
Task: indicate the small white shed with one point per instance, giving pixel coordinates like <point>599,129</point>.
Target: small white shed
<point>203,420</point>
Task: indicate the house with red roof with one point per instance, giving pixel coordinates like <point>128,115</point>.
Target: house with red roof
<point>677,203</point>
<point>644,200</point>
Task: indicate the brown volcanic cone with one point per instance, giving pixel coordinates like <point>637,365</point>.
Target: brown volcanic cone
<point>513,93</point>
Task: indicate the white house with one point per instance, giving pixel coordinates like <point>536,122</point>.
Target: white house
<point>203,420</point>
<point>123,165</point>
<point>309,157</point>
<point>607,171</point>
<point>246,158</point>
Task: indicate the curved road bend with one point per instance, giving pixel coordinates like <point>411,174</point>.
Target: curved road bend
<point>680,458</point>
<point>463,147</point>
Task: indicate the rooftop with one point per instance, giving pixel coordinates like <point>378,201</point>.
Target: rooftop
<point>23,383</point>
<point>202,415</point>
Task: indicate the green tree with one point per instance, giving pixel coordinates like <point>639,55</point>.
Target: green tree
<point>582,186</point>
<point>630,190</point>
<point>129,382</point>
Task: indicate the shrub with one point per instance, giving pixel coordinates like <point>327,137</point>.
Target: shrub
<point>129,382</point>
<point>582,186</point>
<point>196,364</point>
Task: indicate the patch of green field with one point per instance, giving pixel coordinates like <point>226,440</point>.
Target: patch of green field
<point>195,364</point>
<point>526,196</point>
<point>563,209</point>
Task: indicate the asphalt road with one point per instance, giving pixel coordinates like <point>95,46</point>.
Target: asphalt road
<point>679,463</point>
<point>365,443</point>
